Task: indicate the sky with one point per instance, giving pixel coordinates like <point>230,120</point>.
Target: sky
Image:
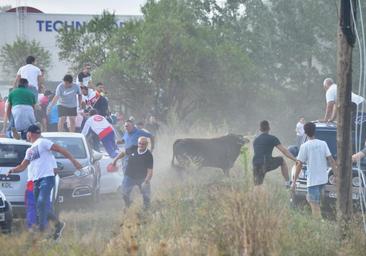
<point>121,7</point>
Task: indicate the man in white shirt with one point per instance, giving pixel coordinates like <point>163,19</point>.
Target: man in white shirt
<point>104,130</point>
<point>41,163</point>
<point>331,98</point>
<point>300,131</point>
<point>316,154</point>
<point>32,73</point>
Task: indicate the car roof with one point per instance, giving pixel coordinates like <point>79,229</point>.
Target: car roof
<point>14,142</point>
<point>62,134</point>
<point>325,126</point>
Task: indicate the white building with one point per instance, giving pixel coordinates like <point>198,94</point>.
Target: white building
<point>31,24</point>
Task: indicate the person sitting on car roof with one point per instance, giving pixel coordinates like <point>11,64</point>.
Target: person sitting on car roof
<point>99,125</point>
<point>331,97</point>
<point>316,154</point>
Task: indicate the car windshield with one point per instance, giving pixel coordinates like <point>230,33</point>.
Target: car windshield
<point>330,137</point>
<point>12,155</point>
<point>74,145</point>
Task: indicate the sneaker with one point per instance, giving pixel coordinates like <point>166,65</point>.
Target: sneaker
<point>15,133</point>
<point>58,232</point>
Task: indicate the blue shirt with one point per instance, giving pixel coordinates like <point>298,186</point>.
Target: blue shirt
<point>132,137</point>
<point>53,116</point>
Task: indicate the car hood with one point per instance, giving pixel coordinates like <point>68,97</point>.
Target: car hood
<point>69,168</point>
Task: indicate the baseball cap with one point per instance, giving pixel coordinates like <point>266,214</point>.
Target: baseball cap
<point>34,129</point>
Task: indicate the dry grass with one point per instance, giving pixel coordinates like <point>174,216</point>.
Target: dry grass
<point>194,213</point>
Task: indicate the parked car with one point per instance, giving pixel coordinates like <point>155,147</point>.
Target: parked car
<point>6,214</point>
<point>326,132</point>
<point>110,181</point>
<point>12,153</point>
<point>75,184</point>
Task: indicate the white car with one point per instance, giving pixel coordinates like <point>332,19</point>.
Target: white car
<point>110,182</point>
<point>12,153</point>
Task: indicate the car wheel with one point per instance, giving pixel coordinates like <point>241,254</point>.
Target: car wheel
<point>328,208</point>
<point>6,226</point>
<point>296,201</point>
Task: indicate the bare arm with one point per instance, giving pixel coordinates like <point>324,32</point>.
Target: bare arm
<point>358,156</point>
<point>329,111</point>
<point>17,78</point>
<point>333,164</point>
<point>120,156</point>
<point>284,151</point>
<point>19,168</point>
<point>52,103</point>
<point>67,154</point>
<point>148,176</point>
<point>297,173</point>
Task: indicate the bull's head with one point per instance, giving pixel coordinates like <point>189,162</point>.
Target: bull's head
<point>241,140</point>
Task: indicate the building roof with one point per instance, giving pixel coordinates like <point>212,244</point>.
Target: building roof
<point>25,9</point>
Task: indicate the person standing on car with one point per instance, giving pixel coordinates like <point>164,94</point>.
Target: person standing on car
<point>21,103</point>
<point>263,161</point>
<point>316,154</point>
<point>41,163</point>
<point>84,77</point>
<point>67,97</point>
<point>32,73</point>
<point>139,171</point>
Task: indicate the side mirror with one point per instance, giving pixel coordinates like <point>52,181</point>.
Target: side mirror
<point>97,155</point>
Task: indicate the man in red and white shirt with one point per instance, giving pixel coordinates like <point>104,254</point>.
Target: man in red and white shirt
<point>99,125</point>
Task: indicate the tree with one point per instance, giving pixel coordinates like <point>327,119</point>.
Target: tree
<point>88,44</point>
<point>13,56</point>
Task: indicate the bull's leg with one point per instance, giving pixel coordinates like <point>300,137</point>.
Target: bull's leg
<point>226,171</point>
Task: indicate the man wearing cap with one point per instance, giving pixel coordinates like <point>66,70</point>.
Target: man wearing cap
<point>41,163</point>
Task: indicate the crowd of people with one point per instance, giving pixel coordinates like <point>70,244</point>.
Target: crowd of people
<point>75,106</point>
<point>313,152</point>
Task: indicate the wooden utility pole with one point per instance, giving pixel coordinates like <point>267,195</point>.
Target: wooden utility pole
<point>345,41</point>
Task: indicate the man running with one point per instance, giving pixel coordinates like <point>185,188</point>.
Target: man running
<point>41,163</point>
<point>101,127</point>
<point>139,172</point>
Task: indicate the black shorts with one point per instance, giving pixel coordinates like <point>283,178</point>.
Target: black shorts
<point>65,111</point>
<point>260,170</point>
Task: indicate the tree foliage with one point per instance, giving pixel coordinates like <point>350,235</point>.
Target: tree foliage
<point>235,61</point>
<point>13,56</point>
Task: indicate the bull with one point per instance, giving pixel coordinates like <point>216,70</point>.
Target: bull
<point>220,152</point>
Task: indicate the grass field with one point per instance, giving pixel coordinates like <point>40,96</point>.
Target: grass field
<point>194,213</point>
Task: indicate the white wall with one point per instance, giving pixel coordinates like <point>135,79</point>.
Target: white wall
<point>43,28</point>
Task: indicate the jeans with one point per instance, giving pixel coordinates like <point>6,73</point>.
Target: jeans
<point>127,185</point>
<point>42,194</point>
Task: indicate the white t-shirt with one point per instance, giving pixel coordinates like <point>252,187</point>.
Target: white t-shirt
<point>31,73</point>
<point>314,153</point>
<point>42,161</point>
<point>98,124</point>
<point>331,95</point>
<point>300,129</point>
